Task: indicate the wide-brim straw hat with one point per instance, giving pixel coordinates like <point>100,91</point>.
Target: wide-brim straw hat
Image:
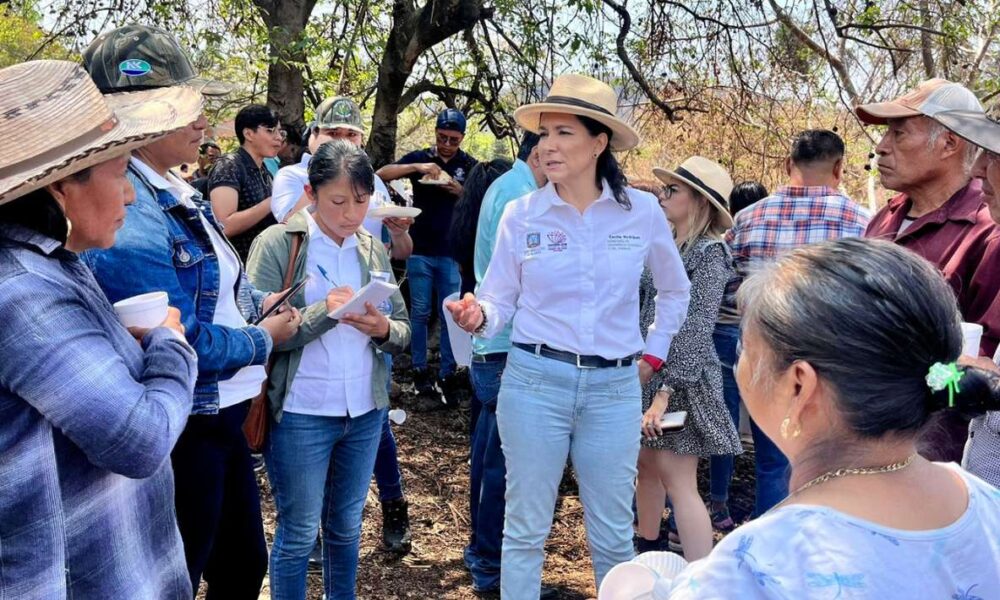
<point>57,123</point>
<point>975,127</point>
<point>710,178</point>
<point>586,97</point>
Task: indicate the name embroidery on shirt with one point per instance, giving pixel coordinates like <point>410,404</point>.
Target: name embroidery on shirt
<point>624,241</point>
<point>557,241</point>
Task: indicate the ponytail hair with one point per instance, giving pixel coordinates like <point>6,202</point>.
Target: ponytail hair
<point>979,392</point>
<point>608,168</point>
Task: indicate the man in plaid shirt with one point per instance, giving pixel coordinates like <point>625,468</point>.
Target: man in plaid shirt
<point>809,209</point>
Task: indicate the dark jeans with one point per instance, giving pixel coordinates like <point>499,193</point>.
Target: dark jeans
<point>487,478</point>
<point>771,466</point>
<point>387,476</point>
<point>218,505</point>
<point>430,275</point>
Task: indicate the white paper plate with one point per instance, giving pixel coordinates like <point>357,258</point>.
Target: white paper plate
<point>433,182</point>
<point>393,211</point>
<point>664,564</point>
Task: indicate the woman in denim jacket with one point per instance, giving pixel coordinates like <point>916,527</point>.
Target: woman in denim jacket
<point>172,242</point>
<point>327,388</point>
<point>89,415</point>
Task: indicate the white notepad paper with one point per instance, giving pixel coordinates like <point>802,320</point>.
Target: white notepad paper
<point>375,292</point>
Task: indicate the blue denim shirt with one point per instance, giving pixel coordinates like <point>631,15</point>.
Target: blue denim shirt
<point>164,246</point>
<point>88,421</point>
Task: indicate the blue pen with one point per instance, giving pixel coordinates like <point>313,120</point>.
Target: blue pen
<point>322,272</point>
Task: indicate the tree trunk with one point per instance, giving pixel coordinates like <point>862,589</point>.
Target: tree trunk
<point>413,32</point>
<point>286,22</point>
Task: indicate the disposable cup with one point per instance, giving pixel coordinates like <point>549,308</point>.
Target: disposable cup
<point>972,333</point>
<point>145,310</point>
<point>397,416</point>
<point>461,340</point>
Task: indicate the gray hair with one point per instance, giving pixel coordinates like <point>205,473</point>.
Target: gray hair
<point>969,151</point>
<point>869,316</point>
<point>339,158</point>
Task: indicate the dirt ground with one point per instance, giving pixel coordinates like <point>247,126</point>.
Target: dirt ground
<point>433,455</point>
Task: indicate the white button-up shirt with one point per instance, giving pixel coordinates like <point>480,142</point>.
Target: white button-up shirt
<point>290,183</point>
<point>334,378</point>
<point>573,279</point>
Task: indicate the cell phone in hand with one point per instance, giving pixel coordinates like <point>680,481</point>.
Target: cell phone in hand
<point>672,422</point>
<point>283,299</point>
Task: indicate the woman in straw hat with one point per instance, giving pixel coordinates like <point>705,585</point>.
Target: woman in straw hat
<point>568,259</point>
<point>983,447</point>
<point>695,202</point>
<point>90,416</point>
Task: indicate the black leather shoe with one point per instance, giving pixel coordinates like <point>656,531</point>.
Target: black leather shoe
<point>545,593</point>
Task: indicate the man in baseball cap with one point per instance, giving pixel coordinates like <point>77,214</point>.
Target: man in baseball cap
<point>940,214</point>
<point>172,241</point>
<point>140,57</point>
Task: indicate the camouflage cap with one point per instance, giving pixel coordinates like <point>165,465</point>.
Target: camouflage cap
<point>339,111</point>
<point>140,57</point>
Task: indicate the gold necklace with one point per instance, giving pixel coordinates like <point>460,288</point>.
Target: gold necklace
<point>843,472</point>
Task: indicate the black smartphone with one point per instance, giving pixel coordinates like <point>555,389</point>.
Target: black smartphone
<point>284,298</point>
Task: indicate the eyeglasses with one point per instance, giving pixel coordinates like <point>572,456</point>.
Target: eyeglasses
<point>739,351</point>
<point>668,191</point>
<point>449,140</point>
<point>276,131</point>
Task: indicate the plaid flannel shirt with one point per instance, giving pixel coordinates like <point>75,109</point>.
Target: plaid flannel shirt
<point>792,217</point>
<point>89,419</point>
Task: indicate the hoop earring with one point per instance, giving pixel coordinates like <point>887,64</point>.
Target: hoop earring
<point>784,428</point>
<point>69,228</point>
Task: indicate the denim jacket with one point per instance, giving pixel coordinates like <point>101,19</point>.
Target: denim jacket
<point>89,419</point>
<point>164,246</point>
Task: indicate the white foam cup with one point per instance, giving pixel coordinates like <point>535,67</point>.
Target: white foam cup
<point>145,310</point>
<point>972,333</point>
<point>397,416</point>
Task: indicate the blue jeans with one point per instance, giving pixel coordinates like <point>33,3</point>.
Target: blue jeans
<point>721,465</point>
<point>430,274</point>
<point>771,466</point>
<point>487,478</point>
<point>387,476</point>
<point>320,468</point>
<point>550,410</point>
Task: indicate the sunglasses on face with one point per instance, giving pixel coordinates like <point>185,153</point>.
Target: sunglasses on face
<point>277,132</point>
<point>448,140</point>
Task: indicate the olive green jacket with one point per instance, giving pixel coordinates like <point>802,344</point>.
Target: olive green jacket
<point>266,267</point>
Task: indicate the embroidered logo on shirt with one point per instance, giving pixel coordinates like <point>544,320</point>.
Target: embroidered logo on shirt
<point>534,239</point>
<point>557,241</point>
<point>459,174</point>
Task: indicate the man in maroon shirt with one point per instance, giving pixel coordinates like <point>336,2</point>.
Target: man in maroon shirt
<point>940,214</point>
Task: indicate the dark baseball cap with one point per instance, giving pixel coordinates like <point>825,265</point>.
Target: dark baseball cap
<point>140,57</point>
<point>452,120</point>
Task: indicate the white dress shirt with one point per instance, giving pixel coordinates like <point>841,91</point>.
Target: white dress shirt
<point>334,378</point>
<point>245,384</point>
<point>290,183</point>
<point>573,279</point>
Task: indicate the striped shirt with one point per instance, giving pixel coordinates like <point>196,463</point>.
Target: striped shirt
<point>792,217</point>
<point>89,418</point>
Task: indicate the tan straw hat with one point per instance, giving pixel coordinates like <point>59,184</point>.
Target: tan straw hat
<point>586,97</point>
<point>708,177</point>
<point>55,122</point>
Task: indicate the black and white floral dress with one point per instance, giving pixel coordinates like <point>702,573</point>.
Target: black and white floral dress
<point>692,367</point>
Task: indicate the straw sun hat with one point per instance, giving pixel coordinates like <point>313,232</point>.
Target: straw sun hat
<point>582,96</point>
<point>710,179</point>
<point>56,123</point>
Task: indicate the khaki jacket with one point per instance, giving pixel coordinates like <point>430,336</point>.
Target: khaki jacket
<point>266,268</point>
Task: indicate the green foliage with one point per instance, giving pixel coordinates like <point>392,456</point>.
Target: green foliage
<point>22,38</point>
